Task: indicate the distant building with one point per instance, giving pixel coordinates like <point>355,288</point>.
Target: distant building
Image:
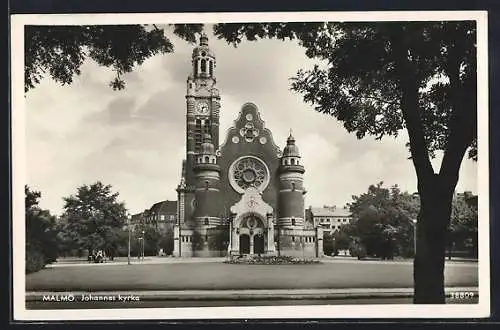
<point>331,218</point>
<point>161,215</point>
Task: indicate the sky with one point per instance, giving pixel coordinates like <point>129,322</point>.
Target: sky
<point>134,139</point>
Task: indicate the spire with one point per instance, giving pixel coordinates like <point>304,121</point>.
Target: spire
<point>291,139</point>
<point>203,39</point>
<point>291,150</point>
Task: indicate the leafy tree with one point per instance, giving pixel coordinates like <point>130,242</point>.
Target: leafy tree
<point>383,220</point>
<point>463,226</point>
<point>41,233</point>
<point>95,218</point>
<point>380,78</point>
<point>167,241</point>
<point>328,244</point>
<point>59,51</point>
<point>198,241</point>
<point>343,237</point>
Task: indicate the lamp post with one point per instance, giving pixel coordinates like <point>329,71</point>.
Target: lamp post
<point>128,227</point>
<point>143,239</point>
<point>414,225</point>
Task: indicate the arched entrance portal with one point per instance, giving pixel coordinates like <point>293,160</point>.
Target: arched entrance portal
<point>258,244</point>
<point>244,244</point>
<point>251,234</point>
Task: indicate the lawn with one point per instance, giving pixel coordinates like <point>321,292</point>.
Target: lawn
<point>220,276</point>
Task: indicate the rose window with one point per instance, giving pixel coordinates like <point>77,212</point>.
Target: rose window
<point>248,172</point>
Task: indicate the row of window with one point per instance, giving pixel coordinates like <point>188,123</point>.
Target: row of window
<point>293,161</point>
<point>160,217</point>
<point>186,239</point>
<point>344,220</point>
<point>306,239</point>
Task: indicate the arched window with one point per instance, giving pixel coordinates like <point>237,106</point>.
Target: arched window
<point>213,160</point>
<point>207,159</point>
<point>293,161</point>
<point>293,186</point>
<point>211,68</point>
<point>286,161</point>
<point>203,65</point>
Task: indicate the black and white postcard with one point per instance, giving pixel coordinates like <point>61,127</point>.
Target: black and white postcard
<point>250,165</point>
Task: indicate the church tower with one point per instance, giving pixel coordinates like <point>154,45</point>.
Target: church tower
<point>291,187</point>
<point>207,176</point>
<point>202,116</point>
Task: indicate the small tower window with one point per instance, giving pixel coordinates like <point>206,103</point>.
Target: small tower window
<point>213,160</point>
<point>293,186</point>
<point>206,221</point>
<point>286,161</point>
<point>293,221</point>
<point>293,161</point>
<point>211,68</point>
<point>203,65</point>
<point>207,159</point>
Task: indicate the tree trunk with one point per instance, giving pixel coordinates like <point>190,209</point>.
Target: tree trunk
<point>435,211</point>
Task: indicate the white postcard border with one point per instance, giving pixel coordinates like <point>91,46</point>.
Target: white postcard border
<point>482,309</point>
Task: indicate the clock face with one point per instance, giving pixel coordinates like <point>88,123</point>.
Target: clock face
<point>202,108</point>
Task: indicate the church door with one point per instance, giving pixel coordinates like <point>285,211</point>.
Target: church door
<point>258,244</point>
<point>244,244</point>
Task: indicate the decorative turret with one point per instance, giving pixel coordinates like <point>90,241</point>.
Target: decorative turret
<point>207,176</point>
<point>291,187</point>
<point>203,59</point>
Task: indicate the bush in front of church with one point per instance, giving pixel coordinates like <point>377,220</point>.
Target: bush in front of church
<point>271,260</point>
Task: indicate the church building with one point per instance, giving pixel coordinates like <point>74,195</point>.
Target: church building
<point>246,195</point>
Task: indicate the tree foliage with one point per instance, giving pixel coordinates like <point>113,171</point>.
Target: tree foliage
<point>383,220</point>
<point>41,233</point>
<point>463,229</point>
<point>152,237</point>
<point>59,51</point>
<point>94,218</point>
<point>358,80</point>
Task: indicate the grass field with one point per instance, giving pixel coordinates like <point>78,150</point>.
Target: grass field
<point>220,276</point>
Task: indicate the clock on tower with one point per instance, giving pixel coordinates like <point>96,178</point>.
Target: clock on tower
<point>202,108</point>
